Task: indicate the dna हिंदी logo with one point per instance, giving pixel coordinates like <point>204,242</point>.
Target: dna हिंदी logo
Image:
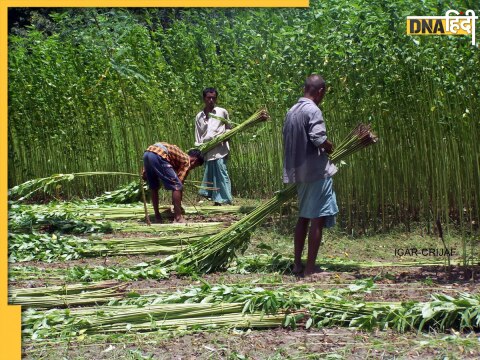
<point>453,23</point>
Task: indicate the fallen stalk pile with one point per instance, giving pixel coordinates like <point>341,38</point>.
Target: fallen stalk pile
<point>101,320</point>
<point>67,295</point>
<point>27,219</point>
<point>233,306</point>
<point>28,188</point>
<point>78,219</point>
<point>166,228</point>
<point>137,212</point>
<point>50,247</point>
<point>155,270</point>
<point>147,245</point>
<point>89,211</point>
<point>216,252</point>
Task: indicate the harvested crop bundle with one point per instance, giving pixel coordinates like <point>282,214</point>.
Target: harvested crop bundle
<point>258,116</point>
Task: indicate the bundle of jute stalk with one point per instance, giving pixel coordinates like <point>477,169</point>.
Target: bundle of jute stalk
<point>67,295</point>
<point>119,319</point>
<point>359,138</point>
<point>234,306</point>
<point>258,116</point>
<point>169,244</point>
<point>216,252</point>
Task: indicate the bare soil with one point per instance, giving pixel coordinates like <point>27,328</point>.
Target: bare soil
<point>331,343</point>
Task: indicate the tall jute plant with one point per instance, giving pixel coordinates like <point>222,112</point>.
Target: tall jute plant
<point>217,251</point>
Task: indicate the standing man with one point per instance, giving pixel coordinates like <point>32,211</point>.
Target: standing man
<point>167,163</point>
<point>211,122</point>
<point>306,163</point>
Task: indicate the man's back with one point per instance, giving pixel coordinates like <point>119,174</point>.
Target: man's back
<point>303,131</point>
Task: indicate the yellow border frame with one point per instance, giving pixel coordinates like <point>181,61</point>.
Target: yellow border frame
<point>155,3</point>
<point>10,316</point>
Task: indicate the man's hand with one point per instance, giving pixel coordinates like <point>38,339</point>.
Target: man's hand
<point>264,115</point>
<point>144,175</point>
<point>327,146</point>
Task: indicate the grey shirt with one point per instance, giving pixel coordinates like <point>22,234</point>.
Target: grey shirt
<point>303,132</point>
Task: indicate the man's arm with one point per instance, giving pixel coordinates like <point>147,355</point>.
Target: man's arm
<point>198,137</point>
<point>215,128</point>
<point>317,132</point>
<point>179,160</point>
<point>183,168</point>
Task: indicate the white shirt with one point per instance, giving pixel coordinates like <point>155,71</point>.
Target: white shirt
<point>207,129</point>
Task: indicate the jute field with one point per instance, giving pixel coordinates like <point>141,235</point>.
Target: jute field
<point>91,88</point>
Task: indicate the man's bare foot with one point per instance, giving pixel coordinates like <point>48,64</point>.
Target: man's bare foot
<point>158,220</point>
<point>180,220</point>
<point>297,269</point>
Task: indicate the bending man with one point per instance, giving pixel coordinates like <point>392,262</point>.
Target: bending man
<point>167,163</point>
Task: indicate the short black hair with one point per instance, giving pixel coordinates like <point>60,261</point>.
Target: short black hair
<point>209,90</point>
<point>313,83</point>
<point>197,154</point>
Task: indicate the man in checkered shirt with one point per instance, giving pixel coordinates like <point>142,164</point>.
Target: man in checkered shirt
<point>169,164</point>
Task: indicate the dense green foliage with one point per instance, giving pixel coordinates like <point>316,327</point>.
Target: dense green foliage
<point>89,89</point>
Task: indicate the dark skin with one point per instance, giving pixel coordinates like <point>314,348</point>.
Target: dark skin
<point>176,198</point>
<point>210,100</point>
<point>317,224</point>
